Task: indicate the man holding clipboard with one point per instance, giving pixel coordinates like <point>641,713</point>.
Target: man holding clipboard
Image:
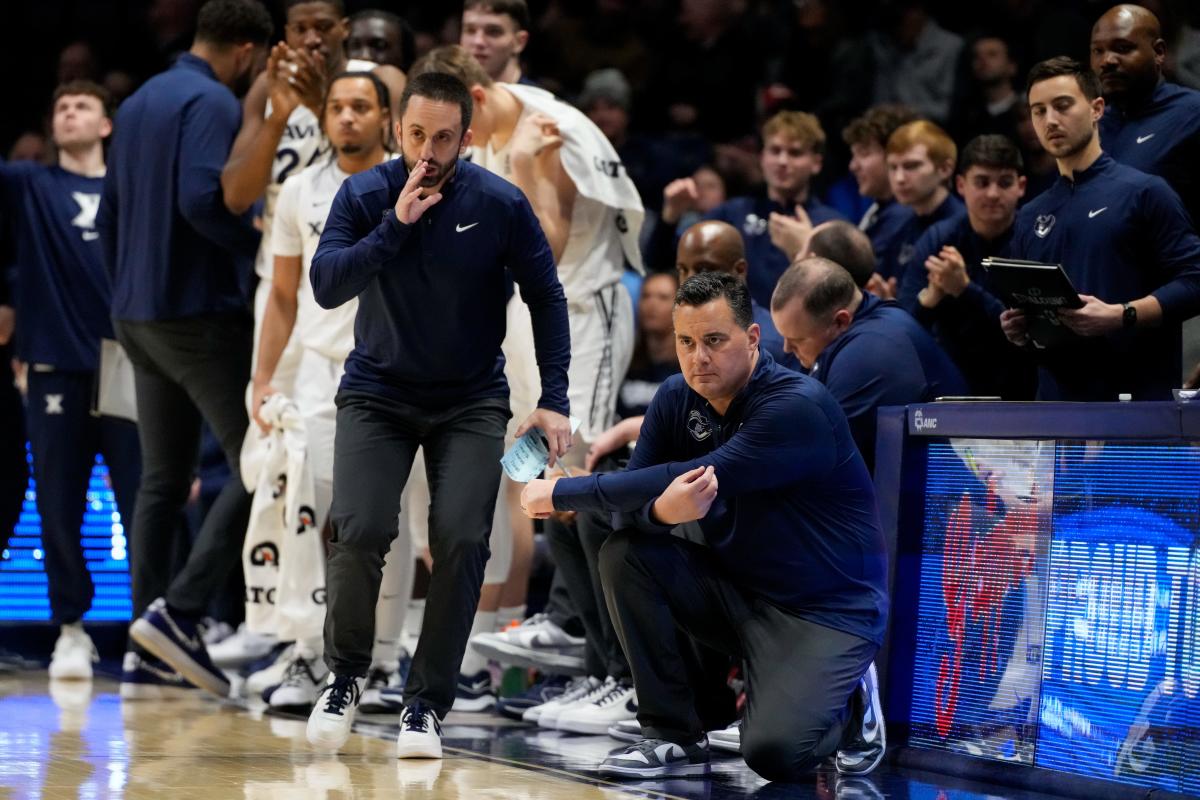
<point>1122,237</point>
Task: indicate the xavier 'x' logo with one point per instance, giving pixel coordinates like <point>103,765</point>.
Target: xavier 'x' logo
<point>315,228</point>
<point>54,403</point>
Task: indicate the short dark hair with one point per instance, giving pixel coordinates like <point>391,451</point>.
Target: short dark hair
<point>442,87</point>
<point>843,243</point>
<point>517,10</point>
<point>991,150</point>
<point>825,286</point>
<point>231,22</point>
<point>706,287</point>
<point>90,88</point>
<point>408,39</point>
<point>338,6</point>
<point>877,124</point>
<point>381,94</point>
<point>1055,67</point>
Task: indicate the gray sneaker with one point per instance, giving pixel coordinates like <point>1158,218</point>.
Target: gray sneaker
<point>866,739</point>
<point>654,758</point>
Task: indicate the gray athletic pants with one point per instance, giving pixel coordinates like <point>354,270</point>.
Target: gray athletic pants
<point>374,447</point>
<point>799,675</point>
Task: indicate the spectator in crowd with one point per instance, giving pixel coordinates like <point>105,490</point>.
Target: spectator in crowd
<point>793,579</point>
<point>62,306</point>
<point>842,243</point>
<point>1124,239</point>
<point>582,38</point>
<point>30,146</point>
<point>868,352</point>
<point>381,37</point>
<point>77,62</point>
<point>775,222</point>
<point>915,60</point>
<point>947,289</point>
<point>177,256</point>
<point>920,159</point>
<point>495,33</point>
<point>867,137</point>
<point>654,358</point>
<point>989,102</point>
<point>710,193</point>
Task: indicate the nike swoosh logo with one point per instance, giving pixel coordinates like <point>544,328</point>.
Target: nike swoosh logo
<point>461,228</point>
<point>1145,138</point>
<point>1097,212</point>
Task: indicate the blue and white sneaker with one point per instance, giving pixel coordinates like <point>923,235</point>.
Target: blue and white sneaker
<point>384,692</point>
<point>474,692</point>
<point>866,739</point>
<point>728,739</point>
<point>540,693</point>
<point>654,758</point>
<point>420,733</point>
<point>332,716</point>
<point>147,678</point>
<point>176,639</point>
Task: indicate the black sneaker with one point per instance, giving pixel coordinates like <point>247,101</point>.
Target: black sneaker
<point>541,692</point>
<point>177,639</point>
<point>420,733</point>
<point>653,758</point>
<point>866,738</point>
<point>474,692</point>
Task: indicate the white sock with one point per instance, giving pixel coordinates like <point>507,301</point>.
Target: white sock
<point>392,606</point>
<point>72,629</point>
<point>415,617</point>
<point>485,622</point>
<point>508,615</point>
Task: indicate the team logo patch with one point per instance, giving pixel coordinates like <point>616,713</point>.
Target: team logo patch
<point>1043,225</point>
<point>754,225</point>
<point>699,426</point>
<point>308,519</point>
<point>54,403</point>
<point>906,253</point>
<point>265,554</point>
<point>622,223</point>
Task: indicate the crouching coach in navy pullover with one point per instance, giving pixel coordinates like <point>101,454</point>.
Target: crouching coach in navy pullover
<point>1124,239</point>
<point>793,578</point>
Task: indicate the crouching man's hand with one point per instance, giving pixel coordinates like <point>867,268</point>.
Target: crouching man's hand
<point>688,497</point>
<point>537,498</point>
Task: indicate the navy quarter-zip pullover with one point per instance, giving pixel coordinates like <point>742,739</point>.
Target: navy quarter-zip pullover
<point>172,247</point>
<point>1160,137</point>
<point>885,358</point>
<point>904,246</point>
<point>431,312</point>
<point>884,224</point>
<point>62,289</point>
<point>795,519</point>
<point>1120,235</point>
<point>968,326</point>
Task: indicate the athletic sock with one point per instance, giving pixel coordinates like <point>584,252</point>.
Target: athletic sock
<point>485,622</point>
<point>508,615</point>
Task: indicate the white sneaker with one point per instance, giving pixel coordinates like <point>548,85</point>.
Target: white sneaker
<point>420,733</point>
<point>265,678</point>
<point>333,715</point>
<point>215,631</point>
<point>379,680</point>
<point>73,655</point>
<point>300,685</point>
<point>546,715</point>
<point>627,730</point>
<point>240,648</point>
<point>537,643</point>
<point>728,739</point>
<point>612,703</point>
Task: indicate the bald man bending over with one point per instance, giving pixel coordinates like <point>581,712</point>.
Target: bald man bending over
<point>1148,123</point>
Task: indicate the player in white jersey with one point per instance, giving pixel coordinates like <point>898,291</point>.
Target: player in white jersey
<point>591,214</point>
<point>280,134</point>
<point>356,121</point>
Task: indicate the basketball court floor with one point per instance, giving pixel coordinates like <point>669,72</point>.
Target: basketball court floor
<point>79,740</point>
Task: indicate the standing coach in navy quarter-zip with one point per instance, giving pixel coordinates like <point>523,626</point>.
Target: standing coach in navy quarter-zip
<point>1126,242</point>
<point>423,243</point>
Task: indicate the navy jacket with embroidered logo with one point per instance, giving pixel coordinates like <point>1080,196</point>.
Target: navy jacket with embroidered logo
<point>884,224</point>
<point>904,246</point>
<point>968,326</point>
<point>62,290</point>
<point>171,246</point>
<point>1120,235</point>
<point>795,519</point>
<point>750,215</point>
<point>885,358</point>
<point>431,312</point>
<point>1161,137</point>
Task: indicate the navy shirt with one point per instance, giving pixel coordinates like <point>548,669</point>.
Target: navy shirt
<point>172,247</point>
<point>885,358</point>
<point>62,291</point>
<point>1161,137</point>
<point>1120,235</point>
<point>968,326</point>
<point>884,224</point>
<point>795,519</point>
<point>904,246</point>
<point>431,312</point>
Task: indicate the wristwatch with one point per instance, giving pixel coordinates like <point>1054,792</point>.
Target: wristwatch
<point>1128,316</point>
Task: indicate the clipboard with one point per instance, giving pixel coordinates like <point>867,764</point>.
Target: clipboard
<point>1040,290</point>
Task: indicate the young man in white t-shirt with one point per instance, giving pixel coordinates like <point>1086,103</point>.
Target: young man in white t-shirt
<point>356,121</point>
